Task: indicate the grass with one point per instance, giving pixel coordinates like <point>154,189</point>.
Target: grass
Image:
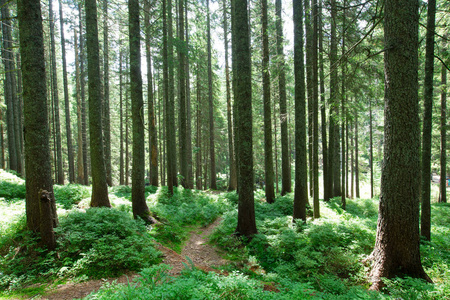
<point>317,260</point>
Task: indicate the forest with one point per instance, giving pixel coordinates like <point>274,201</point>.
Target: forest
<point>224,149</point>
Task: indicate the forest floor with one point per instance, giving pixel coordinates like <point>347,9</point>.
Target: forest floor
<point>203,255</point>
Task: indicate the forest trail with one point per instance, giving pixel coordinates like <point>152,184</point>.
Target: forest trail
<point>202,255</point>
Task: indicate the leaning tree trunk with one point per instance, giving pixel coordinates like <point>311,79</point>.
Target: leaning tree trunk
<point>396,249</point>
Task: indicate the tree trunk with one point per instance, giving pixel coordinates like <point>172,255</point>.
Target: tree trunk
<point>41,212</point>
<point>285,161</point>
<point>425,221</point>
<point>70,155</point>
<point>315,109</point>
<point>153,142</point>
<point>343,112</point>
<point>246,210</point>
<point>309,91</point>
<point>371,149</point>
<point>121,158</point>
<point>325,163</point>
<point>140,208</point>
<point>83,101</point>
<point>190,177</point>
<point>59,162</point>
<point>80,170</point>
<point>127,156</point>
<point>443,184</point>
<point>233,178</point>
<point>99,184</point>
<point>356,158</point>
<point>301,185</point>
<point>396,249</point>
<point>212,153</point>
<point>182,48</point>
<point>106,110</point>
<point>268,156</point>
<point>198,164</point>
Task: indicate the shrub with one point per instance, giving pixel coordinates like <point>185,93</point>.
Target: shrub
<point>71,194</point>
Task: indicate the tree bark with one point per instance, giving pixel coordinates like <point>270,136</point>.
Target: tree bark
<point>246,210</point>
<point>83,101</point>
<point>357,194</point>
<point>371,149</point>
<point>301,185</point>
<point>425,221</point>
<point>325,162</point>
<point>106,105</point>
<point>80,169</point>
<point>121,117</point>
<point>443,184</point>
<point>285,161</point>
<point>153,141</point>
<point>396,249</point>
<point>40,217</point>
<point>99,184</point>
<point>268,156</point>
<point>182,48</point>
<point>70,155</point>
<point>315,110</point>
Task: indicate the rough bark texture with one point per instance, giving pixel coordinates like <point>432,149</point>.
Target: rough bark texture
<point>315,110</point>
<point>106,122</point>
<point>326,177</point>
<point>70,155</point>
<point>171,149</point>
<point>140,208</point>
<point>190,175</point>
<point>241,50</point>
<point>40,218</point>
<point>232,184</point>
<point>80,169</point>
<point>121,158</point>
<point>443,186</point>
<point>396,249</point>
<point>309,90</point>
<point>301,186</point>
<point>285,161</point>
<point>182,95</point>
<point>54,91</point>
<point>212,154</point>
<point>83,100</point>
<point>268,156</point>
<point>425,220</point>
<point>99,185</point>
<point>153,142</point>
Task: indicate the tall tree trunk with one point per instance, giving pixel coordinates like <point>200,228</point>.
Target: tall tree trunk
<point>83,101</point>
<point>127,156</point>
<point>443,184</point>
<point>121,158</point>
<point>80,169</point>
<point>70,155</point>
<point>301,185</point>
<point>190,176</point>
<point>59,162</point>
<point>106,106</point>
<point>234,66</point>
<point>2,142</point>
<point>315,109</point>
<point>198,164</point>
<point>99,184</point>
<point>325,162</point>
<point>153,142</point>
<point>285,161</point>
<point>233,178</point>
<point>19,123</point>
<point>371,149</point>
<point>343,112</point>
<point>425,221</point>
<point>140,208</point>
<point>41,215</point>
<point>357,194</point>
<point>268,156</point>
<point>246,210</point>
<point>212,153</point>
<point>309,91</point>
<point>397,243</point>
<point>182,95</point>
<point>8,86</point>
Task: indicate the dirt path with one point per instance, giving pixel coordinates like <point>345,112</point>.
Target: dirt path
<point>203,255</point>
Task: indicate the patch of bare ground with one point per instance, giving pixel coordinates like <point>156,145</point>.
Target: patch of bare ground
<point>203,255</point>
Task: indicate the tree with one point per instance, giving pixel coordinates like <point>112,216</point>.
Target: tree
<point>70,155</point>
<point>315,109</point>
<point>140,208</point>
<point>106,122</point>
<point>99,185</point>
<point>80,164</point>
<point>55,97</point>
<point>233,176</point>
<point>83,100</point>
<point>397,242</point>
<point>301,186</point>
<point>212,153</point>
<point>285,164</point>
<point>443,186</point>
<point>268,157</point>
<point>40,203</point>
<point>425,224</point>
<point>243,97</point>
<point>153,159</point>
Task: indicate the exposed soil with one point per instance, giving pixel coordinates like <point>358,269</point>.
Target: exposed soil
<point>203,255</point>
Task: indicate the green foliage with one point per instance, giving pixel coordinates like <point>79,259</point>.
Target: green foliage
<point>12,191</point>
<point>69,195</point>
<point>104,242</point>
